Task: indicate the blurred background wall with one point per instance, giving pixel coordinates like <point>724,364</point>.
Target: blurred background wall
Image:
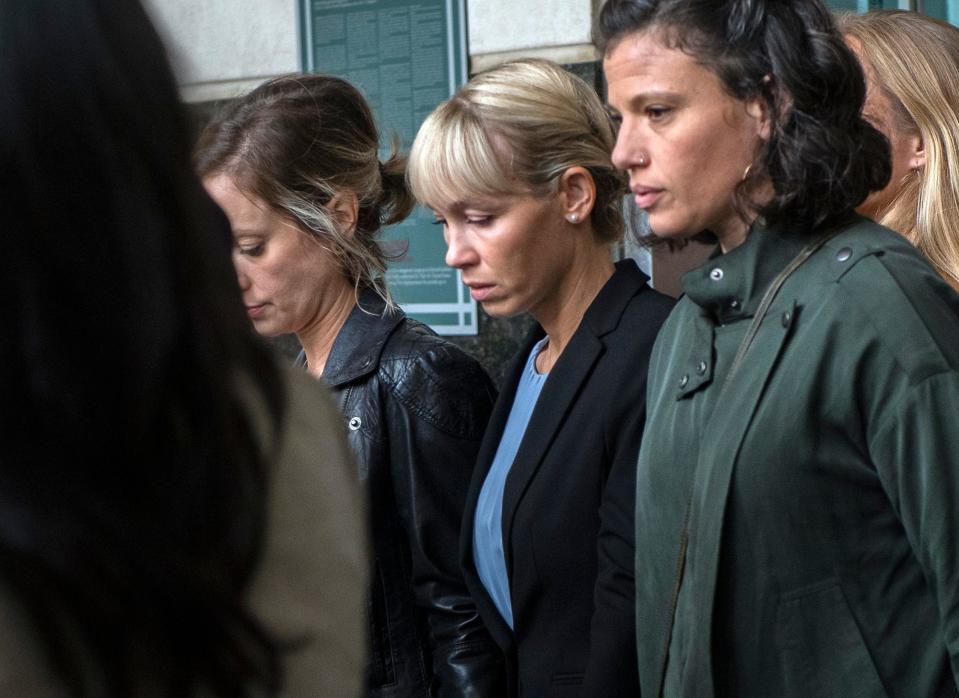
<point>221,49</point>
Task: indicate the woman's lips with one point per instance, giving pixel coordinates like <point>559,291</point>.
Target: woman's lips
<point>646,196</point>
<point>255,310</point>
<point>480,292</point>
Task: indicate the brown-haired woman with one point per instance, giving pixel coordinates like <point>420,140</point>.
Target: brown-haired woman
<point>295,167</point>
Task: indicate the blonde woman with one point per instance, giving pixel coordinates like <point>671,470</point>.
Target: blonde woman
<point>911,63</point>
<point>516,168</point>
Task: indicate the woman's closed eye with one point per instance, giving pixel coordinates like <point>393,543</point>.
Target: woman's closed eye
<point>252,250</point>
<point>469,220</point>
<point>657,112</point>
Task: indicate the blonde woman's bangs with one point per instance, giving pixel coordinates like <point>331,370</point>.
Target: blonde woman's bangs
<point>454,159</point>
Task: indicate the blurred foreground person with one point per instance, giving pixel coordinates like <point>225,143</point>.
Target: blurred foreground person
<point>911,62</point>
<point>798,482</point>
<point>166,528</point>
<point>295,166</point>
<point>516,168</point>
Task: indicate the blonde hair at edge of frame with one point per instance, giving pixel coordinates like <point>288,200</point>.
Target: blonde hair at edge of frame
<point>514,130</point>
<point>915,59</point>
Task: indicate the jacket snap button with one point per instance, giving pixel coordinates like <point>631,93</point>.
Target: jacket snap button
<point>716,274</point>
<point>787,317</point>
<point>733,304</point>
<point>701,368</point>
<point>355,423</point>
<point>843,254</point>
<point>684,380</point>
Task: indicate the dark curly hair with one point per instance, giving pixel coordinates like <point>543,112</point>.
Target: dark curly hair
<point>823,159</point>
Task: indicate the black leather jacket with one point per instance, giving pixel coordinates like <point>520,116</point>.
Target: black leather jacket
<point>415,408</point>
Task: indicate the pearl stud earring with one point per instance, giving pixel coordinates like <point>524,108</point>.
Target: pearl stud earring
<point>572,218</point>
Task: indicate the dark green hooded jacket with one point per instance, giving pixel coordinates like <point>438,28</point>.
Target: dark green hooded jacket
<point>819,492</point>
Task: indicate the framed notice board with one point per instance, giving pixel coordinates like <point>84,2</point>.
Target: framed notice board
<point>406,56</point>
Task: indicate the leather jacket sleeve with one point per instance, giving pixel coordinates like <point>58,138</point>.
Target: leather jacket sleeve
<point>442,401</point>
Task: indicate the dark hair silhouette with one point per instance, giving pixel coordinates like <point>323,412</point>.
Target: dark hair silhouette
<point>298,140</point>
<point>823,159</point>
<point>132,480</point>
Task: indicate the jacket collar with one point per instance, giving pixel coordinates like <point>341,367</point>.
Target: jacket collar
<point>601,318</point>
<point>606,310</point>
<point>357,348</point>
<point>730,286</point>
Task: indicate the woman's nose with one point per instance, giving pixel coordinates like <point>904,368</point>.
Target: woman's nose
<point>628,152</point>
<point>459,253</point>
<point>242,278</point>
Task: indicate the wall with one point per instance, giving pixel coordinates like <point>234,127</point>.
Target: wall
<point>502,29</point>
<point>222,48</point>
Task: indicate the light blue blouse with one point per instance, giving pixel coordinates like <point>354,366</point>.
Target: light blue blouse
<point>488,553</point>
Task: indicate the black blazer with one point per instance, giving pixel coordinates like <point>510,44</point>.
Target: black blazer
<point>568,503</point>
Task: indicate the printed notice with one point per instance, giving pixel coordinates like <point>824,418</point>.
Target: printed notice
<point>406,58</point>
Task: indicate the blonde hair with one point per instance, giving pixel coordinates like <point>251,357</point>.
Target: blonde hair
<point>516,129</point>
<point>915,61</point>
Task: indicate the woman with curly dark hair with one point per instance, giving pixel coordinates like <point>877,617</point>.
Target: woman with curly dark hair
<point>798,485</point>
<point>164,527</point>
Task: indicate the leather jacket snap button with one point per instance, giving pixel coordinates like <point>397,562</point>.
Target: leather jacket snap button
<point>355,423</point>
<point>843,254</point>
<point>684,381</point>
<point>701,368</point>
<point>716,274</point>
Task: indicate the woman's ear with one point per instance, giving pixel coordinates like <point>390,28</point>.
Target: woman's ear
<point>757,109</point>
<point>917,160</point>
<point>577,194</point>
<point>344,206</point>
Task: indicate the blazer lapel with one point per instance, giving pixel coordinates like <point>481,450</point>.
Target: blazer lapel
<point>563,385</point>
<point>552,408</point>
<point>484,460</point>
<point>501,410</point>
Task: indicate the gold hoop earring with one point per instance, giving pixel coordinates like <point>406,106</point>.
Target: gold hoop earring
<point>746,172</point>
